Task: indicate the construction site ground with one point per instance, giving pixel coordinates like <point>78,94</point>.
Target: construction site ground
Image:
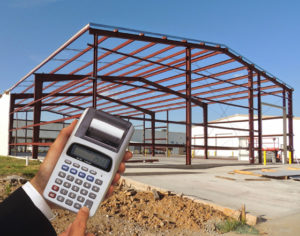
<point>230,184</point>
<point>224,185</point>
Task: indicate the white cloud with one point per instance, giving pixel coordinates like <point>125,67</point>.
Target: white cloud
<point>30,3</point>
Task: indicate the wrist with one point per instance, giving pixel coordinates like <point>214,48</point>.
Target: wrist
<point>35,183</point>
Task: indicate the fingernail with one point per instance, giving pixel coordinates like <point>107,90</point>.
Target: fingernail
<point>85,209</point>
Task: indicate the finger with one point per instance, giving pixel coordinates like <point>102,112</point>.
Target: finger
<point>58,145</point>
<point>121,169</point>
<point>110,191</point>
<point>116,178</point>
<point>79,225</point>
<point>63,136</point>
<point>127,156</point>
<point>90,234</point>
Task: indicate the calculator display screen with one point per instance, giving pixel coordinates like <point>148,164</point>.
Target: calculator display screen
<point>90,155</point>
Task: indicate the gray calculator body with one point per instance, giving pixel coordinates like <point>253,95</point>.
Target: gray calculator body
<point>89,161</point>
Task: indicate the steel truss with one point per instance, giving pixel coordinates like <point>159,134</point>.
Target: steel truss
<point>139,75</point>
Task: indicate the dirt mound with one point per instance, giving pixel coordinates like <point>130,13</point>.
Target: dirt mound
<point>131,212</point>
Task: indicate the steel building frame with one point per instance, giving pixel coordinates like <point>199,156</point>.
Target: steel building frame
<point>136,74</point>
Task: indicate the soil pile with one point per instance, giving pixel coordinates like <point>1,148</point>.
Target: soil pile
<point>132,212</point>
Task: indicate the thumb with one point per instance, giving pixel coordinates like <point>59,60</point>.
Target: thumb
<point>66,233</point>
<point>79,225</point>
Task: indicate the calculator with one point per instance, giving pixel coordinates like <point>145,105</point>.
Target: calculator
<point>89,161</point>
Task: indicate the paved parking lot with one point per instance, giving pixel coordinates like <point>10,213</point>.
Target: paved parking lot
<point>214,182</point>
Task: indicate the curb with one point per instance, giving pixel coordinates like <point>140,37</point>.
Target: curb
<point>235,214</point>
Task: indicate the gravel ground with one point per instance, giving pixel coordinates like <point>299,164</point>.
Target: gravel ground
<point>132,212</point>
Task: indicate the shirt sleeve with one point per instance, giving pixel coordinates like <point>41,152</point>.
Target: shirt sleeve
<point>38,200</point>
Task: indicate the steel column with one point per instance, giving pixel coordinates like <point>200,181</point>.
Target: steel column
<point>38,92</point>
<point>290,118</point>
<point>205,118</point>
<point>188,107</point>
<point>251,124</point>
<point>26,123</point>
<point>153,133</point>
<point>144,133</point>
<point>95,69</point>
<point>284,156</point>
<point>167,134</point>
<point>11,121</point>
<point>259,114</point>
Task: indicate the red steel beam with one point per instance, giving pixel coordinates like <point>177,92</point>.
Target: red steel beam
<point>143,38</point>
<point>209,98</point>
<point>259,114</point>
<point>183,107</point>
<point>205,130</point>
<point>178,84</point>
<point>102,39</point>
<point>99,58</point>
<point>188,112</point>
<point>290,118</point>
<point>251,114</point>
<point>166,100</point>
<point>144,73</point>
<point>137,51</point>
<point>160,81</point>
<point>95,70</point>
<point>153,133</point>
<point>38,90</point>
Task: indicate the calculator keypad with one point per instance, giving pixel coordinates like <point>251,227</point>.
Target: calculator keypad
<point>76,185</point>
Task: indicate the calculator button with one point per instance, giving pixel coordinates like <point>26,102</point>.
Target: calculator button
<point>60,198</point>
<point>58,181</point>
<point>67,184</point>
<point>75,188</point>
<point>55,188</point>
<point>73,171</point>
<point>80,199</point>
<point>81,174</point>
<point>65,167</point>
<point>78,181</point>
<point>92,195</point>
<point>68,161</point>
<point>72,195</point>
<point>77,206</point>
<point>95,189</point>
<point>62,174</point>
<point>70,178</point>
<point>63,191</point>
<point>84,168</point>
<point>98,181</point>
<point>88,203</point>
<point>52,195</point>
<point>76,165</point>
<point>87,185</point>
<point>83,192</point>
<point>93,172</point>
<point>69,202</point>
<point>90,178</point>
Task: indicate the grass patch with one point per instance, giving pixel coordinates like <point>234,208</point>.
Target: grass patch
<point>13,166</point>
<point>236,226</point>
<point>7,189</point>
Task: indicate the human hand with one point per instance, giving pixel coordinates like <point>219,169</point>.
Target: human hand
<point>78,227</point>
<point>40,180</point>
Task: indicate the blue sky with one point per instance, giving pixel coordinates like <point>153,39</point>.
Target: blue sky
<point>265,31</point>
